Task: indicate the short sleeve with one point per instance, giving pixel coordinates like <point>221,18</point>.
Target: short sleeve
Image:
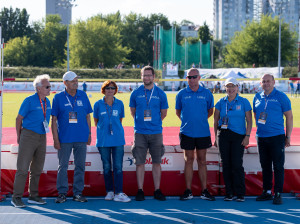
<point>24,109</point>
<point>218,105</point>
<point>247,105</point>
<point>122,113</point>
<point>89,107</point>
<point>96,110</point>
<point>132,102</point>
<point>54,110</point>
<point>210,102</point>
<point>285,103</point>
<point>253,104</point>
<point>178,104</point>
<point>164,101</point>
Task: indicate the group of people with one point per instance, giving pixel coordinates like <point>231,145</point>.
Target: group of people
<point>292,89</point>
<point>71,130</point>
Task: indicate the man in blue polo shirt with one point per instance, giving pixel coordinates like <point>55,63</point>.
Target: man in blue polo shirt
<point>32,126</point>
<point>269,107</point>
<point>148,106</point>
<point>194,105</point>
<point>71,129</point>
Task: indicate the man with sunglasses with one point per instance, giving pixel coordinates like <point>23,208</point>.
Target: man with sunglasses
<point>71,130</point>
<point>194,105</point>
<point>148,106</point>
<point>32,126</point>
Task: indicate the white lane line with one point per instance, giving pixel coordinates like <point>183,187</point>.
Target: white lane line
<point>111,211</point>
<point>49,211</point>
<point>277,212</point>
<point>96,214</point>
<point>145,212</point>
<point>274,220</point>
<point>209,217</point>
<point>237,212</point>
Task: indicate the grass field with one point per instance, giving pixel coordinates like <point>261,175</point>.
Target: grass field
<point>12,103</point>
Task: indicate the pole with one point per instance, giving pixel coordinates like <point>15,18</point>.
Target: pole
<point>185,56</point>
<point>299,48</point>
<point>172,45</point>
<point>212,53</point>
<point>201,53</point>
<point>68,49</point>
<point>2,198</point>
<point>174,48</point>
<point>279,44</point>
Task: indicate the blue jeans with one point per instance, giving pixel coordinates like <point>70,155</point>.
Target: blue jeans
<point>116,154</point>
<point>79,151</point>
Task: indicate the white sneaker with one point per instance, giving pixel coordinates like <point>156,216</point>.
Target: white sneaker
<point>122,197</point>
<point>110,196</point>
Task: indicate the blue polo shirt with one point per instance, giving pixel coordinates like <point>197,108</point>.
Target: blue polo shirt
<point>277,104</point>
<point>33,114</point>
<point>236,113</point>
<point>158,102</point>
<point>72,132</point>
<point>109,114</point>
<point>194,108</point>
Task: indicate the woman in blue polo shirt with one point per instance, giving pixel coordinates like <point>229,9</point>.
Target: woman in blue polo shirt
<point>108,115</point>
<point>232,126</point>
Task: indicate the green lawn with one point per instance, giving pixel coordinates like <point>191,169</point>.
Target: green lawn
<point>12,103</point>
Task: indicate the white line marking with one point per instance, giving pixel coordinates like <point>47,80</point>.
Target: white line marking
<point>190,213</point>
<point>96,214</point>
<point>111,211</point>
<point>237,212</point>
<point>277,212</point>
<point>49,211</point>
<point>145,212</point>
<point>274,220</point>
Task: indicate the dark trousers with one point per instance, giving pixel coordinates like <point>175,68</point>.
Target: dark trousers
<point>271,151</point>
<point>232,153</point>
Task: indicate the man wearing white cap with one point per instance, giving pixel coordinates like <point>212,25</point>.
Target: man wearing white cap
<point>71,129</point>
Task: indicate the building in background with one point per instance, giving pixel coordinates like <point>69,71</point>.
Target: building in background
<point>189,30</point>
<point>54,7</point>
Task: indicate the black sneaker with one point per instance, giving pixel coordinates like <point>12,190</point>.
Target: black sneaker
<point>140,195</point>
<point>228,197</point>
<point>187,195</point>
<point>61,198</point>
<point>79,198</point>
<point>240,198</point>
<point>264,196</point>
<point>277,199</point>
<point>207,196</point>
<point>17,202</point>
<point>159,196</point>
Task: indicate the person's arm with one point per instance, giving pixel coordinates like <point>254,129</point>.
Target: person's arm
<point>55,133</point>
<point>132,111</point>
<point>210,112</point>
<point>245,141</point>
<point>289,127</point>
<point>216,123</point>
<point>121,119</point>
<point>178,113</point>
<point>19,120</point>
<point>88,119</point>
<point>96,121</point>
<point>163,113</point>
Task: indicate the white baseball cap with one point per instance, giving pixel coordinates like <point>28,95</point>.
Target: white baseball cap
<point>69,76</point>
<point>231,80</point>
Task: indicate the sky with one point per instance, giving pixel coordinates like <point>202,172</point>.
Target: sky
<point>196,11</point>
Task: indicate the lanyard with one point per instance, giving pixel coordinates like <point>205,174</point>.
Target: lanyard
<point>148,102</point>
<point>44,110</point>
<point>266,102</point>
<point>70,102</point>
<point>230,107</point>
<point>109,109</point>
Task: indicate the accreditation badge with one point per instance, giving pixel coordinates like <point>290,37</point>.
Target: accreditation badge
<point>147,115</point>
<point>46,126</point>
<point>111,129</point>
<point>225,121</point>
<point>262,118</point>
<point>72,117</point>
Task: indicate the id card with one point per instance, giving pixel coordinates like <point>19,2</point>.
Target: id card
<point>73,117</point>
<point>46,126</point>
<point>262,118</point>
<point>147,115</point>
<point>225,121</point>
<point>111,129</point>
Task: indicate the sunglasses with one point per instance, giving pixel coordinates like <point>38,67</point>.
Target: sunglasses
<point>47,87</point>
<point>192,76</point>
<point>113,88</point>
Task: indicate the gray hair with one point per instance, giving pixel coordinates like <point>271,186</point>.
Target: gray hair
<point>38,80</point>
<point>193,69</point>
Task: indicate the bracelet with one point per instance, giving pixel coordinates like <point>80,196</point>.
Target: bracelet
<point>248,135</point>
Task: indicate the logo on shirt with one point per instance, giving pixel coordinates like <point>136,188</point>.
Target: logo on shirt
<point>201,97</point>
<point>115,113</point>
<point>257,103</point>
<point>238,107</point>
<point>155,97</point>
<point>273,100</point>
<point>187,97</point>
<point>67,104</point>
<point>140,96</point>
<point>103,113</point>
<point>79,103</point>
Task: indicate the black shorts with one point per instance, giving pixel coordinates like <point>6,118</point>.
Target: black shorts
<point>189,143</point>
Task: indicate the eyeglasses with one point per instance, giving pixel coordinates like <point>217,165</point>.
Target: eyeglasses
<point>47,87</point>
<point>147,76</point>
<point>113,88</point>
<point>192,76</point>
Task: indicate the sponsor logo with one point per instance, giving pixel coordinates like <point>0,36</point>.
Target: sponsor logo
<point>103,112</point>
<point>187,97</point>
<point>201,97</point>
<point>155,97</point>
<point>115,113</point>
<point>273,100</point>
<point>166,161</point>
<point>140,96</point>
<point>238,107</point>
<point>79,103</point>
<point>67,104</point>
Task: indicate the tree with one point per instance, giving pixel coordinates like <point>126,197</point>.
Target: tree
<point>20,51</point>
<point>14,23</point>
<point>204,33</point>
<point>257,43</point>
<point>95,41</point>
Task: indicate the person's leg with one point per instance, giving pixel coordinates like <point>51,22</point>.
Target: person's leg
<point>79,161</point>
<point>278,151</point>
<point>117,155</point>
<point>63,162</point>
<point>202,170</point>
<point>265,158</point>
<point>188,167</point>
<point>37,166</point>
<point>225,151</point>
<point>27,146</point>
<point>105,153</point>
